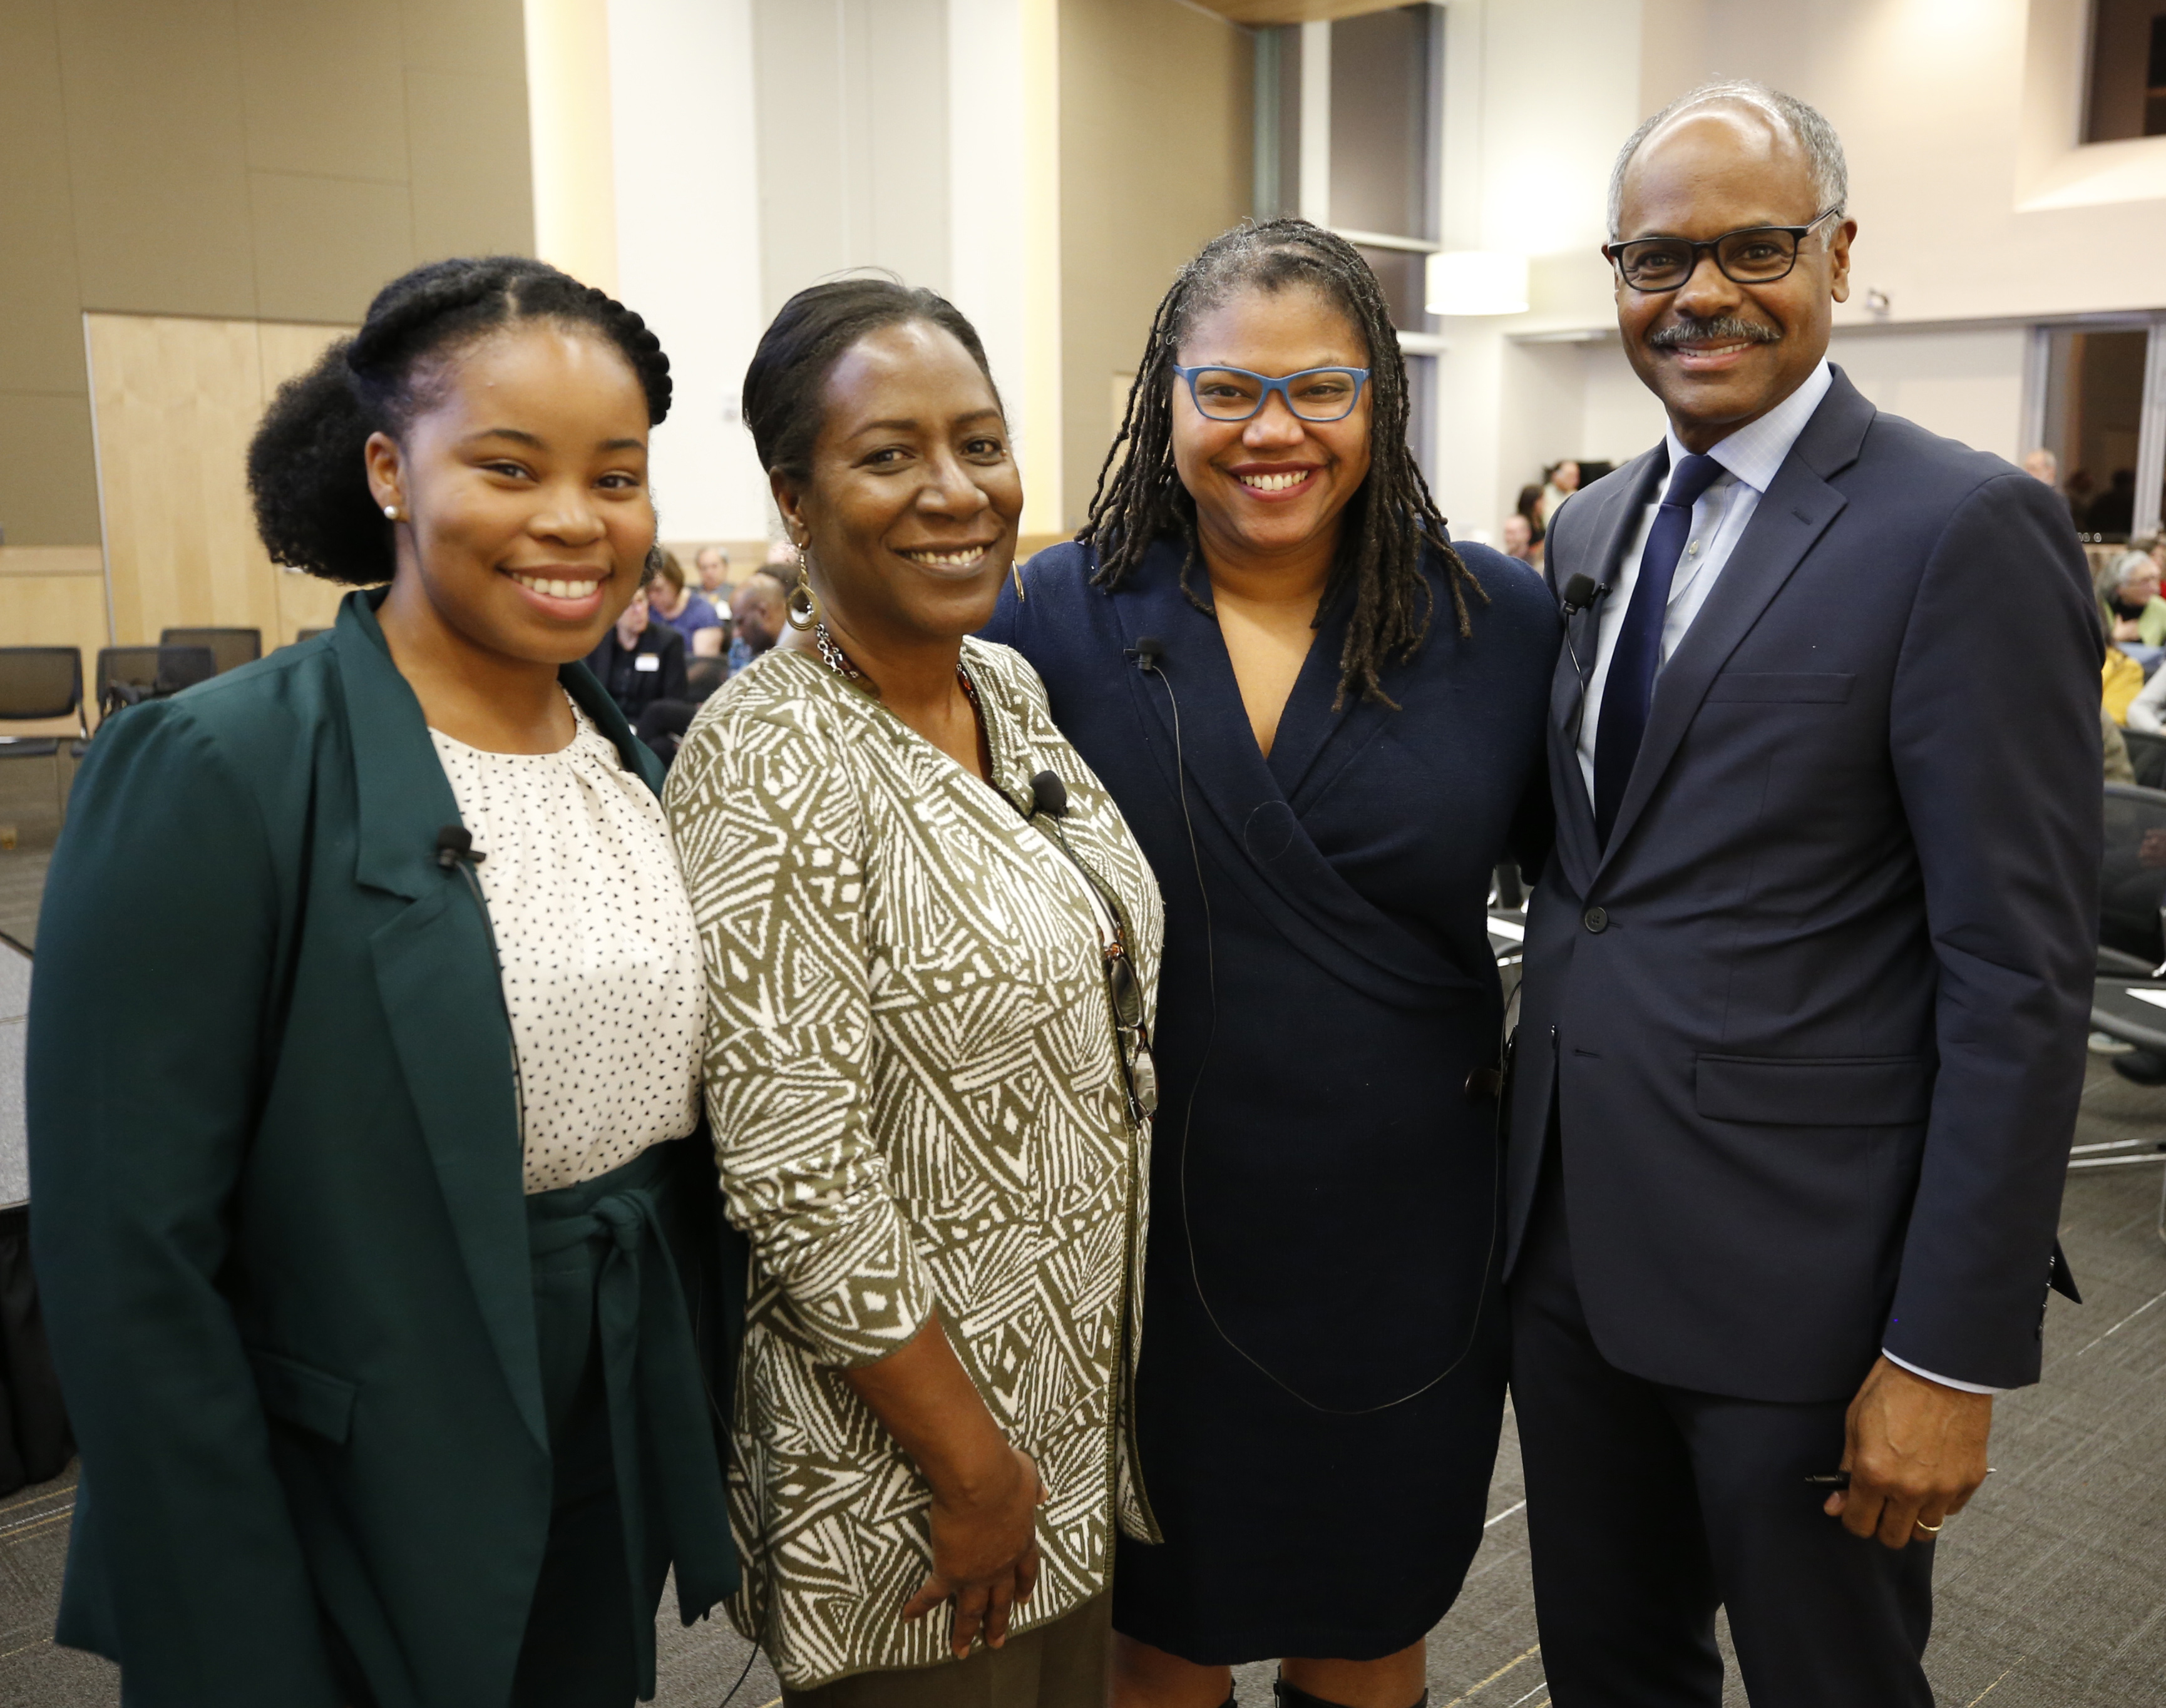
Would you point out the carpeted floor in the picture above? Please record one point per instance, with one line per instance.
(2052, 1588)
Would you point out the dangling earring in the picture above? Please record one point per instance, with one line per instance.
(801, 610)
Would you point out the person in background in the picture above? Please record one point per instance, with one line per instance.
(759, 606)
(1559, 483)
(2118, 767)
(685, 609)
(373, 1215)
(1519, 542)
(932, 947)
(712, 564)
(2134, 611)
(2042, 465)
(1808, 977)
(1355, 702)
(640, 661)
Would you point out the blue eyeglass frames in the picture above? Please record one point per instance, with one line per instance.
(1313, 394)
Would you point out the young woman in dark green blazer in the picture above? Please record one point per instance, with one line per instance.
(380, 1252)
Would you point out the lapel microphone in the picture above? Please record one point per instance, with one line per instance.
(1048, 795)
(1581, 592)
(455, 843)
(1147, 651)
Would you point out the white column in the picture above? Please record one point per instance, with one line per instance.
(687, 241)
(992, 108)
(1316, 124)
(568, 117)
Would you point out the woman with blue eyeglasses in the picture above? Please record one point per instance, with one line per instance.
(1323, 722)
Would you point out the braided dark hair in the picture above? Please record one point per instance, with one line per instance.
(1140, 497)
(307, 472)
(783, 386)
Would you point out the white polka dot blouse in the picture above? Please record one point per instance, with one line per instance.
(600, 952)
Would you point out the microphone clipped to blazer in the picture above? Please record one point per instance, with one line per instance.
(1147, 651)
(1048, 795)
(1581, 592)
(455, 843)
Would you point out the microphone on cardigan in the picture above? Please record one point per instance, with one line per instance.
(455, 843)
(1048, 795)
(1147, 651)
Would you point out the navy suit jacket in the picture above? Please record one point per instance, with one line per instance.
(1813, 1020)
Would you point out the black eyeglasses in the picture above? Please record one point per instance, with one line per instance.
(1752, 255)
(1127, 997)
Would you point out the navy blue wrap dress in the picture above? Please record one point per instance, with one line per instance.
(1323, 1359)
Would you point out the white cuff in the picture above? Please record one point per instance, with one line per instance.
(1945, 1381)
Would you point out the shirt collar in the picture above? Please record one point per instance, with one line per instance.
(1755, 451)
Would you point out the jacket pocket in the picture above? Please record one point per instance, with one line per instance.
(298, 1393)
(1825, 688)
(1838, 1091)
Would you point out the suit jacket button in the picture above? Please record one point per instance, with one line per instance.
(1595, 919)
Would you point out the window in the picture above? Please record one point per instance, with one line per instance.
(1349, 134)
(2128, 70)
(2093, 419)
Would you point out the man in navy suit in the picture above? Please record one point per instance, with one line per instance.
(1807, 975)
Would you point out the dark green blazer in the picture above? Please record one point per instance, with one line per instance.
(280, 1229)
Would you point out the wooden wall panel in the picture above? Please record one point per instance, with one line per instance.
(176, 401)
(53, 596)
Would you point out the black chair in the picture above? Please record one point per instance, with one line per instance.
(231, 648)
(308, 635)
(36, 683)
(127, 676)
(2132, 879)
(2146, 758)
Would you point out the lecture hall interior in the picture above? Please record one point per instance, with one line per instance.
(199, 197)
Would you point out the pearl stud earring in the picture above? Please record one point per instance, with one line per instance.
(391, 514)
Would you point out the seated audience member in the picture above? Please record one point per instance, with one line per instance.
(760, 606)
(2042, 465)
(2146, 711)
(640, 661)
(2122, 681)
(1520, 540)
(712, 564)
(1559, 483)
(684, 608)
(2134, 611)
(2118, 769)
(703, 676)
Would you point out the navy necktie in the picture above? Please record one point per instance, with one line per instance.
(1630, 686)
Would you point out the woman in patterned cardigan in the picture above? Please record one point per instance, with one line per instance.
(932, 945)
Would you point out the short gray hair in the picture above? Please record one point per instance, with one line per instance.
(1808, 129)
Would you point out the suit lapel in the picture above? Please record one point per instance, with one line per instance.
(1611, 529)
(1792, 515)
(443, 1000)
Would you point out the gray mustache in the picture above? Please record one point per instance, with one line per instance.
(1724, 328)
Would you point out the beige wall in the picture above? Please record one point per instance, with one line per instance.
(241, 160)
(1155, 161)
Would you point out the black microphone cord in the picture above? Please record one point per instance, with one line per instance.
(1148, 651)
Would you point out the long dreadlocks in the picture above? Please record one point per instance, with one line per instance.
(1383, 530)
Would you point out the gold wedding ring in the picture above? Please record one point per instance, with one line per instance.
(1930, 1529)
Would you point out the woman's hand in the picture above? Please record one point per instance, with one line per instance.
(984, 1552)
(985, 1493)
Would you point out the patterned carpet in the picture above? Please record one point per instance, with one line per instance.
(2052, 1588)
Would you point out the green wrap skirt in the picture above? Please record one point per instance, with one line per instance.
(634, 1440)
